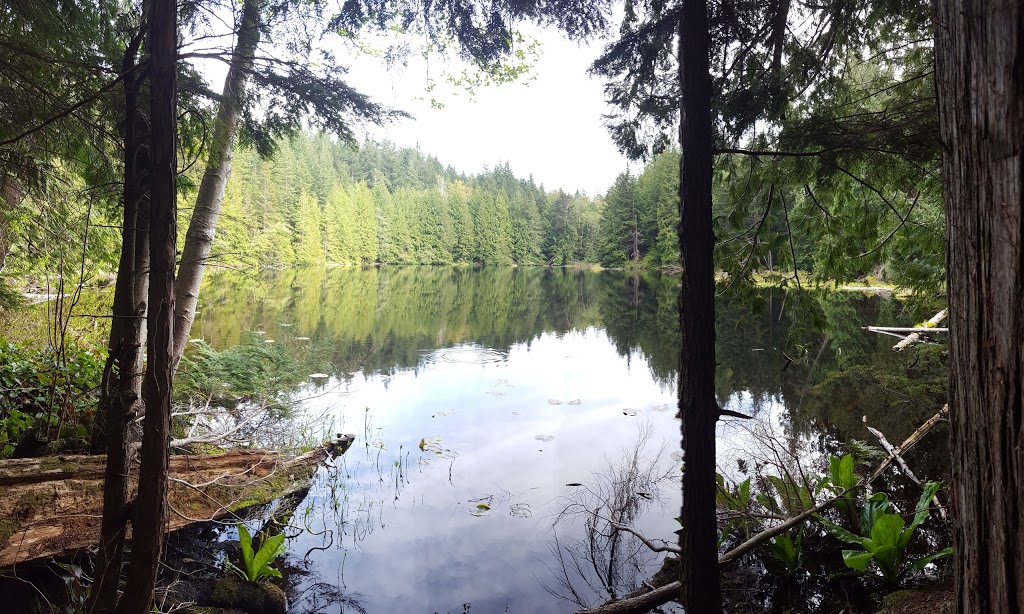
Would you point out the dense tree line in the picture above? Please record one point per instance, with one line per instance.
(320, 201)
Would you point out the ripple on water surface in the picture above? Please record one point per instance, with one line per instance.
(468, 354)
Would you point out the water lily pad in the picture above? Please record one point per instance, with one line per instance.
(544, 437)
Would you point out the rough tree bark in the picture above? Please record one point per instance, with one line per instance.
(118, 392)
(979, 58)
(697, 404)
(149, 514)
(202, 225)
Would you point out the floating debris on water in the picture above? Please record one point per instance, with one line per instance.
(434, 445)
(520, 510)
(481, 507)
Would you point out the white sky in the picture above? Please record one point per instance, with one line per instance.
(549, 126)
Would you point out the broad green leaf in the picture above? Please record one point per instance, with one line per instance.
(841, 472)
(856, 559)
(245, 540)
(269, 550)
(876, 505)
(922, 510)
(744, 490)
(923, 562)
(887, 558)
(887, 531)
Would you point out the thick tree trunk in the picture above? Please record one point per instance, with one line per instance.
(118, 392)
(697, 404)
(203, 224)
(149, 514)
(979, 58)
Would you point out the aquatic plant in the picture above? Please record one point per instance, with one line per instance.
(256, 566)
(889, 536)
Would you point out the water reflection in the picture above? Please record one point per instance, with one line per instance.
(479, 395)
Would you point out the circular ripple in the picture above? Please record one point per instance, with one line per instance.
(467, 355)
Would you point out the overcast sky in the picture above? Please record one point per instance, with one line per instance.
(549, 126)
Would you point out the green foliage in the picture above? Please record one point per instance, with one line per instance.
(887, 539)
(51, 392)
(256, 566)
(254, 371)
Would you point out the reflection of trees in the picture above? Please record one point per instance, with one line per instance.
(388, 318)
(607, 562)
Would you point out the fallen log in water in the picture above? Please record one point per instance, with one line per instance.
(53, 505)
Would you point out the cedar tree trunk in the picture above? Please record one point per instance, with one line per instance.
(149, 508)
(118, 393)
(202, 226)
(979, 59)
(701, 590)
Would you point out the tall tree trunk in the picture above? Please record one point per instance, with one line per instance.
(979, 59)
(202, 226)
(698, 407)
(118, 392)
(149, 509)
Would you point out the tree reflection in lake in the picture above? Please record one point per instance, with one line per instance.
(609, 562)
(491, 389)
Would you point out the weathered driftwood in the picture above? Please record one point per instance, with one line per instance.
(909, 442)
(53, 505)
(915, 337)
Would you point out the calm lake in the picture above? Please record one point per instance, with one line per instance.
(491, 406)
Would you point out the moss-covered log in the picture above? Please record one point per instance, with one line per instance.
(53, 505)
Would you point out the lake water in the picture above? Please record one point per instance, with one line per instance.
(491, 406)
